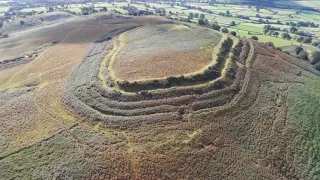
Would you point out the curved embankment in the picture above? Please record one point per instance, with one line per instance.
(92, 91)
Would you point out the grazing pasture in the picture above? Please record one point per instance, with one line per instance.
(37, 9)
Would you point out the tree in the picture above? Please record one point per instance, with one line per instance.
(258, 9)
(255, 38)
(212, 2)
(233, 33)
(298, 49)
(22, 23)
(85, 11)
(276, 33)
(50, 9)
(196, 15)
(1, 24)
(303, 55)
(104, 9)
(163, 12)
(228, 13)
(202, 22)
(270, 44)
(224, 30)
(202, 16)
(315, 57)
(317, 66)
(232, 23)
(293, 29)
(307, 40)
(300, 39)
(190, 15)
(286, 35)
(215, 27)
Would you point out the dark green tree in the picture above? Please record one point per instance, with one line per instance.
(270, 44)
(300, 39)
(224, 30)
(255, 38)
(307, 40)
(196, 15)
(315, 57)
(286, 35)
(190, 15)
(298, 49)
(215, 27)
(303, 55)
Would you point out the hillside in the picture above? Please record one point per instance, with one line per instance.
(97, 105)
(36, 20)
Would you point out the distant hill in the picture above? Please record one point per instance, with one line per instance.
(37, 20)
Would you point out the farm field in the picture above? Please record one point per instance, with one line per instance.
(249, 27)
(113, 96)
(38, 9)
(77, 7)
(304, 3)
(4, 8)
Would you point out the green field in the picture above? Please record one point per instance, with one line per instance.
(75, 9)
(248, 28)
(38, 9)
(117, 6)
(4, 8)
(305, 3)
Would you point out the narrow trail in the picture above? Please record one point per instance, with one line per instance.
(133, 156)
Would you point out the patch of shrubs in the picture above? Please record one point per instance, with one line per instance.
(237, 50)
(241, 51)
(185, 20)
